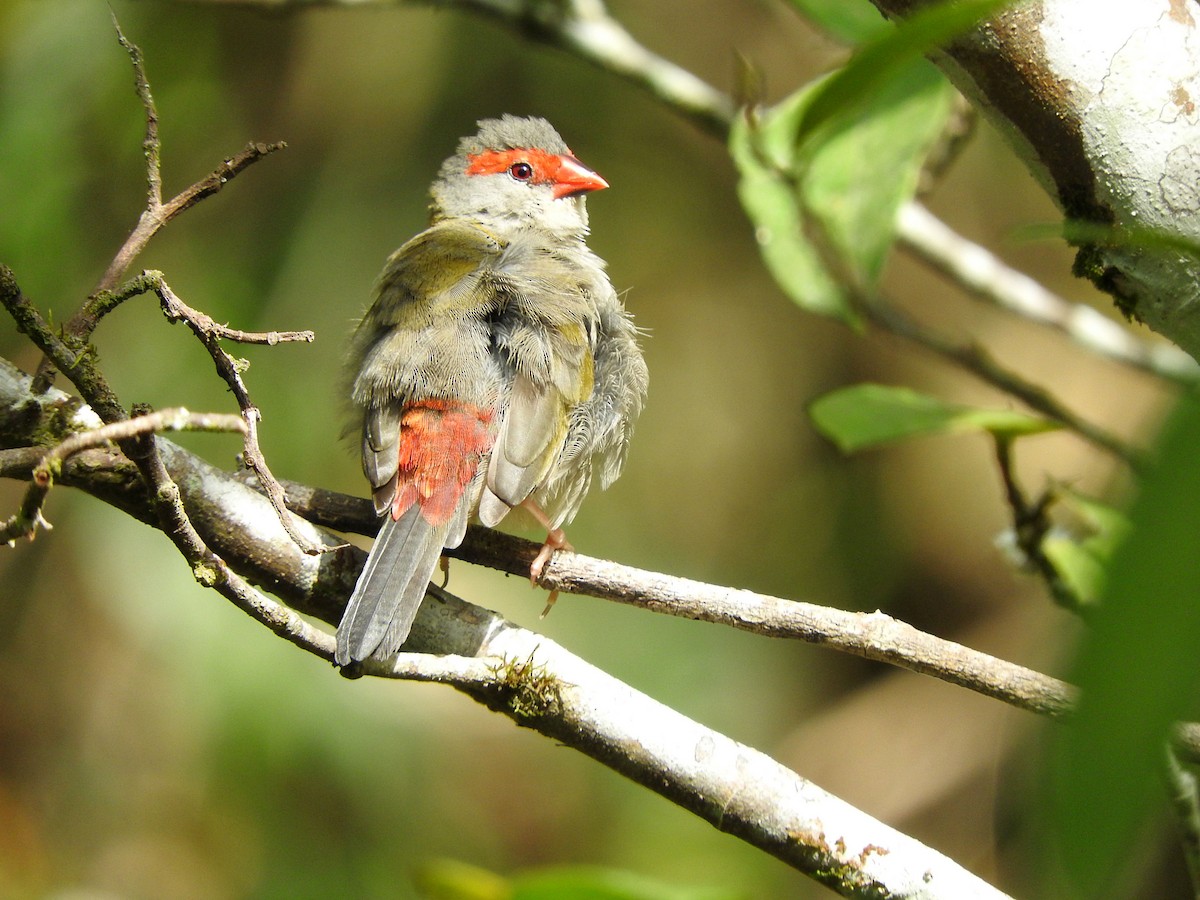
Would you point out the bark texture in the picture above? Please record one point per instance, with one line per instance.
(1100, 100)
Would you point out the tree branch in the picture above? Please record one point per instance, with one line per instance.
(29, 517)
(77, 331)
(987, 277)
(210, 334)
(874, 636)
(973, 358)
(238, 535)
(737, 789)
(221, 525)
(1102, 109)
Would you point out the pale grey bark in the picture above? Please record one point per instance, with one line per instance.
(529, 678)
(1100, 100)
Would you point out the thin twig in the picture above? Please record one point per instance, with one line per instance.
(25, 522)
(988, 278)
(874, 636)
(101, 303)
(972, 358)
(157, 216)
(151, 145)
(175, 419)
(1031, 524)
(209, 569)
(157, 213)
(209, 330)
(210, 334)
(79, 328)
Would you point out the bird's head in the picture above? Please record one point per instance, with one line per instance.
(516, 172)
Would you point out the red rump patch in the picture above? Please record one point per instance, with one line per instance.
(441, 445)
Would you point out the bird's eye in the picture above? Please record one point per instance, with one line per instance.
(522, 171)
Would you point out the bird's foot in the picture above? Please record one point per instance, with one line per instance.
(556, 539)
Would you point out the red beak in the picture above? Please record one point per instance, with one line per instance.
(573, 178)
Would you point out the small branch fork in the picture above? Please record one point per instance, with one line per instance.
(210, 333)
(1031, 523)
(71, 350)
(157, 214)
(27, 520)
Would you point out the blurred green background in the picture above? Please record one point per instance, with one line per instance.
(154, 742)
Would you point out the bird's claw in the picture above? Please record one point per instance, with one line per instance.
(556, 539)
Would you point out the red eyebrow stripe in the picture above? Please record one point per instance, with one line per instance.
(493, 162)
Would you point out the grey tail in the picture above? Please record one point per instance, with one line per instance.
(390, 589)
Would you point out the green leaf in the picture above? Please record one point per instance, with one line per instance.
(1078, 232)
(844, 98)
(449, 879)
(1138, 673)
(1081, 553)
(598, 883)
(843, 200)
(769, 197)
(867, 415)
(861, 177)
(452, 879)
(850, 21)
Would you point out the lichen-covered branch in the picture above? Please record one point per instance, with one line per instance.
(29, 517)
(157, 212)
(221, 526)
(227, 512)
(1101, 104)
(736, 788)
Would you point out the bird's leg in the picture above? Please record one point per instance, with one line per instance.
(556, 539)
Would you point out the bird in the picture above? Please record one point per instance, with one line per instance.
(497, 368)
